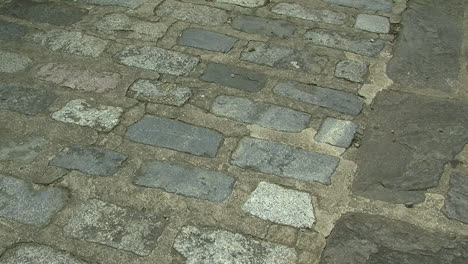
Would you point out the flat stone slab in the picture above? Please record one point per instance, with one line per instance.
(176, 135)
(262, 114)
(216, 247)
(114, 226)
(80, 112)
(376, 5)
(159, 92)
(124, 3)
(457, 198)
(344, 41)
(284, 160)
(12, 62)
(72, 42)
(354, 71)
(23, 148)
(188, 181)
(28, 204)
(234, 77)
(264, 26)
(158, 59)
(208, 40)
(372, 23)
(316, 15)
(336, 132)
(198, 14)
(336, 100)
(39, 254)
(11, 31)
(280, 205)
(25, 100)
(246, 3)
(75, 78)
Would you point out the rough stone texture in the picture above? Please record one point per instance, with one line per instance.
(221, 247)
(359, 238)
(344, 41)
(25, 100)
(11, 62)
(246, 3)
(203, 39)
(264, 26)
(158, 59)
(124, 3)
(280, 205)
(337, 100)
(376, 5)
(354, 71)
(11, 31)
(284, 160)
(176, 135)
(407, 142)
(187, 181)
(456, 203)
(197, 14)
(80, 112)
(284, 57)
(23, 148)
(121, 228)
(234, 77)
(37, 254)
(89, 160)
(298, 11)
(159, 92)
(336, 132)
(372, 23)
(22, 202)
(72, 42)
(75, 78)
(262, 114)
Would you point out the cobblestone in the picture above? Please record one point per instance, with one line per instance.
(376, 5)
(208, 40)
(264, 26)
(336, 132)
(124, 3)
(39, 254)
(22, 148)
(316, 15)
(372, 23)
(352, 71)
(11, 31)
(25, 100)
(234, 77)
(457, 198)
(12, 62)
(246, 3)
(159, 92)
(197, 14)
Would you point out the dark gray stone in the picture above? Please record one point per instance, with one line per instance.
(176, 135)
(407, 142)
(234, 77)
(124, 3)
(12, 62)
(37, 254)
(263, 26)
(25, 100)
(198, 14)
(89, 160)
(10, 31)
(24, 149)
(73, 42)
(159, 92)
(188, 181)
(376, 5)
(456, 203)
(203, 39)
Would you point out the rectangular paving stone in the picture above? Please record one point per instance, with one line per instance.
(234, 77)
(262, 114)
(336, 100)
(284, 160)
(12, 62)
(246, 3)
(457, 197)
(372, 23)
(37, 254)
(316, 15)
(336, 132)
(159, 92)
(176, 135)
(25, 100)
(158, 59)
(198, 14)
(188, 181)
(264, 26)
(28, 204)
(344, 41)
(22, 148)
(203, 39)
(117, 227)
(376, 5)
(11, 31)
(354, 71)
(124, 3)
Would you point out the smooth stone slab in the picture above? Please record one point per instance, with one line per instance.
(114, 226)
(12, 62)
(316, 15)
(246, 3)
(37, 254)
(262, 114)
(354, 71)
(124, 3)
(376, 5)
(280, 205)
(203, 39)
(80, 112)
(72, 42)
(336, 100)
(198, 14)
(25, 100)
(234, 77)
(264, 26)
(28, 204)
(456, 203)
(344, 41)
(176, 135)
(11, 31)
(159, 92)
(23, 148)
(372, 23)
(284, 160)
(220, 247)
(188, 181)
(336, 132)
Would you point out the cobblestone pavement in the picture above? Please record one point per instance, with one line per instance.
(233, 131)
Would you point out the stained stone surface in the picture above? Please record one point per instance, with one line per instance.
(12, 62)
(354, 71)
(317, 15)
(124, 3)
(25, 100)
(264, 26)
(37, 254)
(336, 132)
(159, 92)
(376, 5)
(456, 203)
(234, 77)
(246, 3)
(11, 31)
(208, 40)
(22, 148)
(192, 13)
(372, 23)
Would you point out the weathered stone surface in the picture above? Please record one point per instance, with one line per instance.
(75, 78)
(246, 3)
(262, 114)
(264, 26)
(25, 100)
(124, 3)
(317, 15)
(80, 112)
(37, 254)
(216, 247)
(23, 148)
(372, 23)
(280, 205)
(12, 62)
(376, 5)
(22, 202)
(354, 71)
(284, 160)
(188, 181)
(234, 77)
(336, 132)
(344, 41)
(283, 57)
(456, 203)
(11, 31)
(159, 92)
(118, 227)
(72, 42)
(407, 142)
(197, 14)
(203, 39)
(337, 100)
(176, 135)
(360, 238)
(158, 59)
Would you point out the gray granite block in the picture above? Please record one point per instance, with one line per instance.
(234, 77)
(208, 40)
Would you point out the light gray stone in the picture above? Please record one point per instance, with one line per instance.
(354, 71)
(176, 135)
(158, 59)
(284, 160)
(337, 100)
(12, 62)
(25, 100)
(316, 15)
(376, 5)
(262, 114)
(124, 3)
(280, 205)
(456, 203)
(246, 3)
(118, 227)
(188, 181)
(264, 26)
(234, 77)
(23, 148)
(11, 31)
(159, 92)
(37, 254)
(336, 132)
(198, 14)
(372, 23)
(223, 247)
(203, 39)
